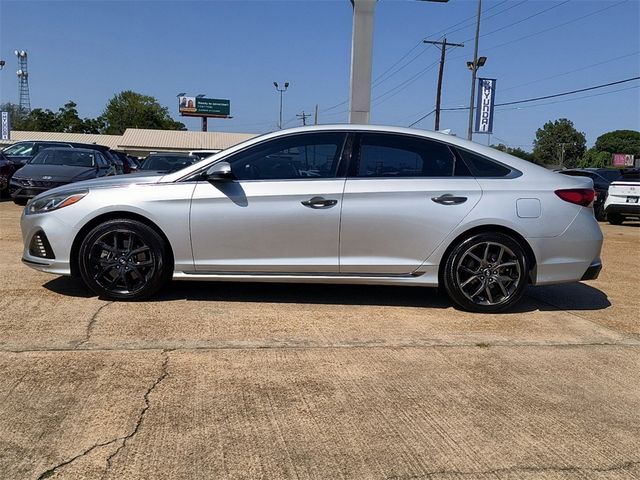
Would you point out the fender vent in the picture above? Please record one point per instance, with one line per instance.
(40, 246)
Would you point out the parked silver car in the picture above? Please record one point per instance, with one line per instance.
(327, 204)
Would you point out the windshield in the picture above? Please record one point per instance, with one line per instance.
(19, 150)
(70, 158)
(168, 163)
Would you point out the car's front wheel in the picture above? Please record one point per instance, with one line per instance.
(486, 272)
(124, 259)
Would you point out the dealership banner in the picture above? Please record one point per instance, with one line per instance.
(485, 104)
(6, 126)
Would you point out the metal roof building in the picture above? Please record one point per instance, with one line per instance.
(141, 142)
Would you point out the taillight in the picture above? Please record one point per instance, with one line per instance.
(580, 196)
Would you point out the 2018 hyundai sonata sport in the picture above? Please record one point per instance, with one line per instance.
(327, 204)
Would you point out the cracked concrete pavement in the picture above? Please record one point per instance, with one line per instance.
(302, 381)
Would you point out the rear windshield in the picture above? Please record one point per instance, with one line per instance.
(69, 158)
(19, 150)
(610, 175)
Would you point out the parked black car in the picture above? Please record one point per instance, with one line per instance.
(22, 152)
(57, 166)
(602, 178)
(7, 169)
(168, 162)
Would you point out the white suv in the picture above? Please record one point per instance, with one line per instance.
(623, 199)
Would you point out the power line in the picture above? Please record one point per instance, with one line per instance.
(545, 97)
(473, 18)
(522, 20)
(570, 99)
(570, 71)
(398, 88)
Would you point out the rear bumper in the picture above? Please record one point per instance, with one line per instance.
(572, 256)
(624, 209)
(593, 271)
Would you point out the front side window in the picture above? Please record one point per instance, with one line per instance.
(306, 156)
(384, 155)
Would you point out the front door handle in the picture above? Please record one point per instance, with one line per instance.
(319, 202)
(448, 199)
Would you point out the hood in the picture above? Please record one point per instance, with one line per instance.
(114, 181)
(55, 173)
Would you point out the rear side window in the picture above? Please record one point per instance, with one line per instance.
(383, 155)
(482, 166)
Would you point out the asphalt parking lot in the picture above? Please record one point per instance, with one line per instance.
(306, 381)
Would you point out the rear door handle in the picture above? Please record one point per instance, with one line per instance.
(319, 202)
(449, 199)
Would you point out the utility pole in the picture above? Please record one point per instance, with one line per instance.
(443, 48)
(473, 73)
(315, 116)
(562, 151)
(303, 116)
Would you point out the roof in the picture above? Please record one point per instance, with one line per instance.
(110, 141)
(141, 139)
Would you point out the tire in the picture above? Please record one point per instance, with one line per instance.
(486, 273)
(124, 259)
(614, 219)
(20, 201)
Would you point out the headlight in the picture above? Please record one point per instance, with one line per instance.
(54, 201)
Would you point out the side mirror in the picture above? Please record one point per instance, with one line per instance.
(219, 172)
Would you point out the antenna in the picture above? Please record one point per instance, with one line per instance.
(23, 81)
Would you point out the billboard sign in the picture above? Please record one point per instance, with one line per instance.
(623, 160)
(6, 126)
(485, 104)
(203, 107)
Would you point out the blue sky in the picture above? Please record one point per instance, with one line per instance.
(89, 50)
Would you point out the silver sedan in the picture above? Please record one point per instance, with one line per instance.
(327, 204)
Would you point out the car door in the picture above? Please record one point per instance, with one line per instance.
(403, 196)
(280, 214)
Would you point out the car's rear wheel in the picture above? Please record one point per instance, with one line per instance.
(615, 218)
(486, 272)
(124, 260)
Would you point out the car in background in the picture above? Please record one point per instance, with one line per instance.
(204, 153)
(7, 169)
(343, 204)
(623, 202)
(130, 165)
(22, 152)
(54, 167)
(602, 178)
(167, 162)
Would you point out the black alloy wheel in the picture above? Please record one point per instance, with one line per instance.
(486, 273)
(124, 260)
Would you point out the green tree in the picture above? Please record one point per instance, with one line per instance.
(559, 142)
(129, 109)
(595, 158)
(516, 152)
(39, 120)
(619, 141)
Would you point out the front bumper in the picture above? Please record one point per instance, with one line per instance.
(59, 236)
(18, 190)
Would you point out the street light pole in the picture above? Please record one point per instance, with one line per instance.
(473, 73)
(281, 90)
